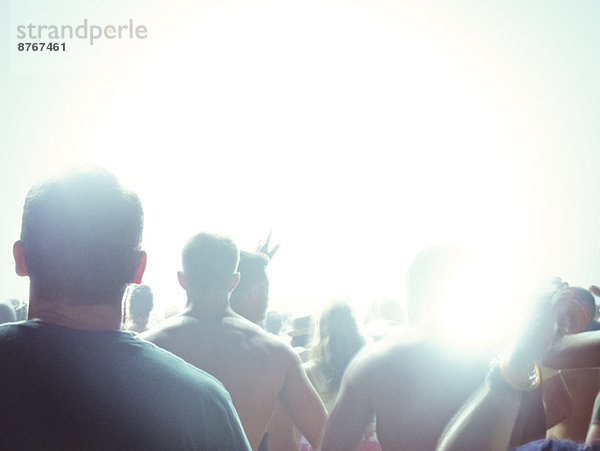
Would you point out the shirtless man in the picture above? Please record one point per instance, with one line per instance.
(412, 383)
(256, 368)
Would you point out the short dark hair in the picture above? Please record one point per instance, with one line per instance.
(209, 261)
(81, 236)
(273, 322)
(586, 299)
(141, 301)
(7, 313)
(252, 270)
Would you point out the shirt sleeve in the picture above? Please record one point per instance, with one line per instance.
(216, 425)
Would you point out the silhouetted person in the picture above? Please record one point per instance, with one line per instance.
(139, 306)
(337, 341)
(487, 420)
(70, 378)
(19, 307)
(273, 322)
(7, 313)
(413, 383)
(569, 395)
(251, 295)
(257, 368)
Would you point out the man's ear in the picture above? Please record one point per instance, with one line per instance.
(20, 265)
(139, 272)
(235, 278)
(181, 279)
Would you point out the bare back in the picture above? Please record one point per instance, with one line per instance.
(411, 385)
(256, 368)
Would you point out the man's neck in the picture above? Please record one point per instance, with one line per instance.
(247, 312)
(207, 308)
(77, 316)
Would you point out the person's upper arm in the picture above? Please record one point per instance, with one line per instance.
(302, 403)
(558, 404)
(350, 416)
(575, 351)
(281, 431)
(593, 433)
(311, 370)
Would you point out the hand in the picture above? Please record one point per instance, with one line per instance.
(564, 305)
(263, 247)
(543, 328)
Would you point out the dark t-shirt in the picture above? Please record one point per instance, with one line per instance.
(63, 388)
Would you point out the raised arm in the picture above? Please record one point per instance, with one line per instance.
(301, 402)
(487, 421)
(263, 247)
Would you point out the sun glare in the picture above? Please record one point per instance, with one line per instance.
(359, 134)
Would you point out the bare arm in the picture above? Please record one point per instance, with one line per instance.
(349, 418)
(281, 432)
(485, 422)
(488, 419)
(557, 400)
(263, 247)
(593, 433)
(575, 351)
(300, 401)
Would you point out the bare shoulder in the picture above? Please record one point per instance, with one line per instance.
(386, 360)
(259, 340)
(170, 330)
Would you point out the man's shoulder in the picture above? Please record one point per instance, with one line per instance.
(15, 332)
(250, 330)
(163, 376)
(390, 355)
(172, 366)
(9, 331)
(166, 327)
(149, 388)
(260, 341)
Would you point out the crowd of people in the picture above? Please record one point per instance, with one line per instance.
(84, 365)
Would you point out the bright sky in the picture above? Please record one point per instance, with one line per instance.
(359, 131)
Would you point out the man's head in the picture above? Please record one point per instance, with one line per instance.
(578, 312)
(209, 266)
(428, 277)
(251, 296)
(273, 322)
(7, 313)
(141, 302)
(80, 238)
